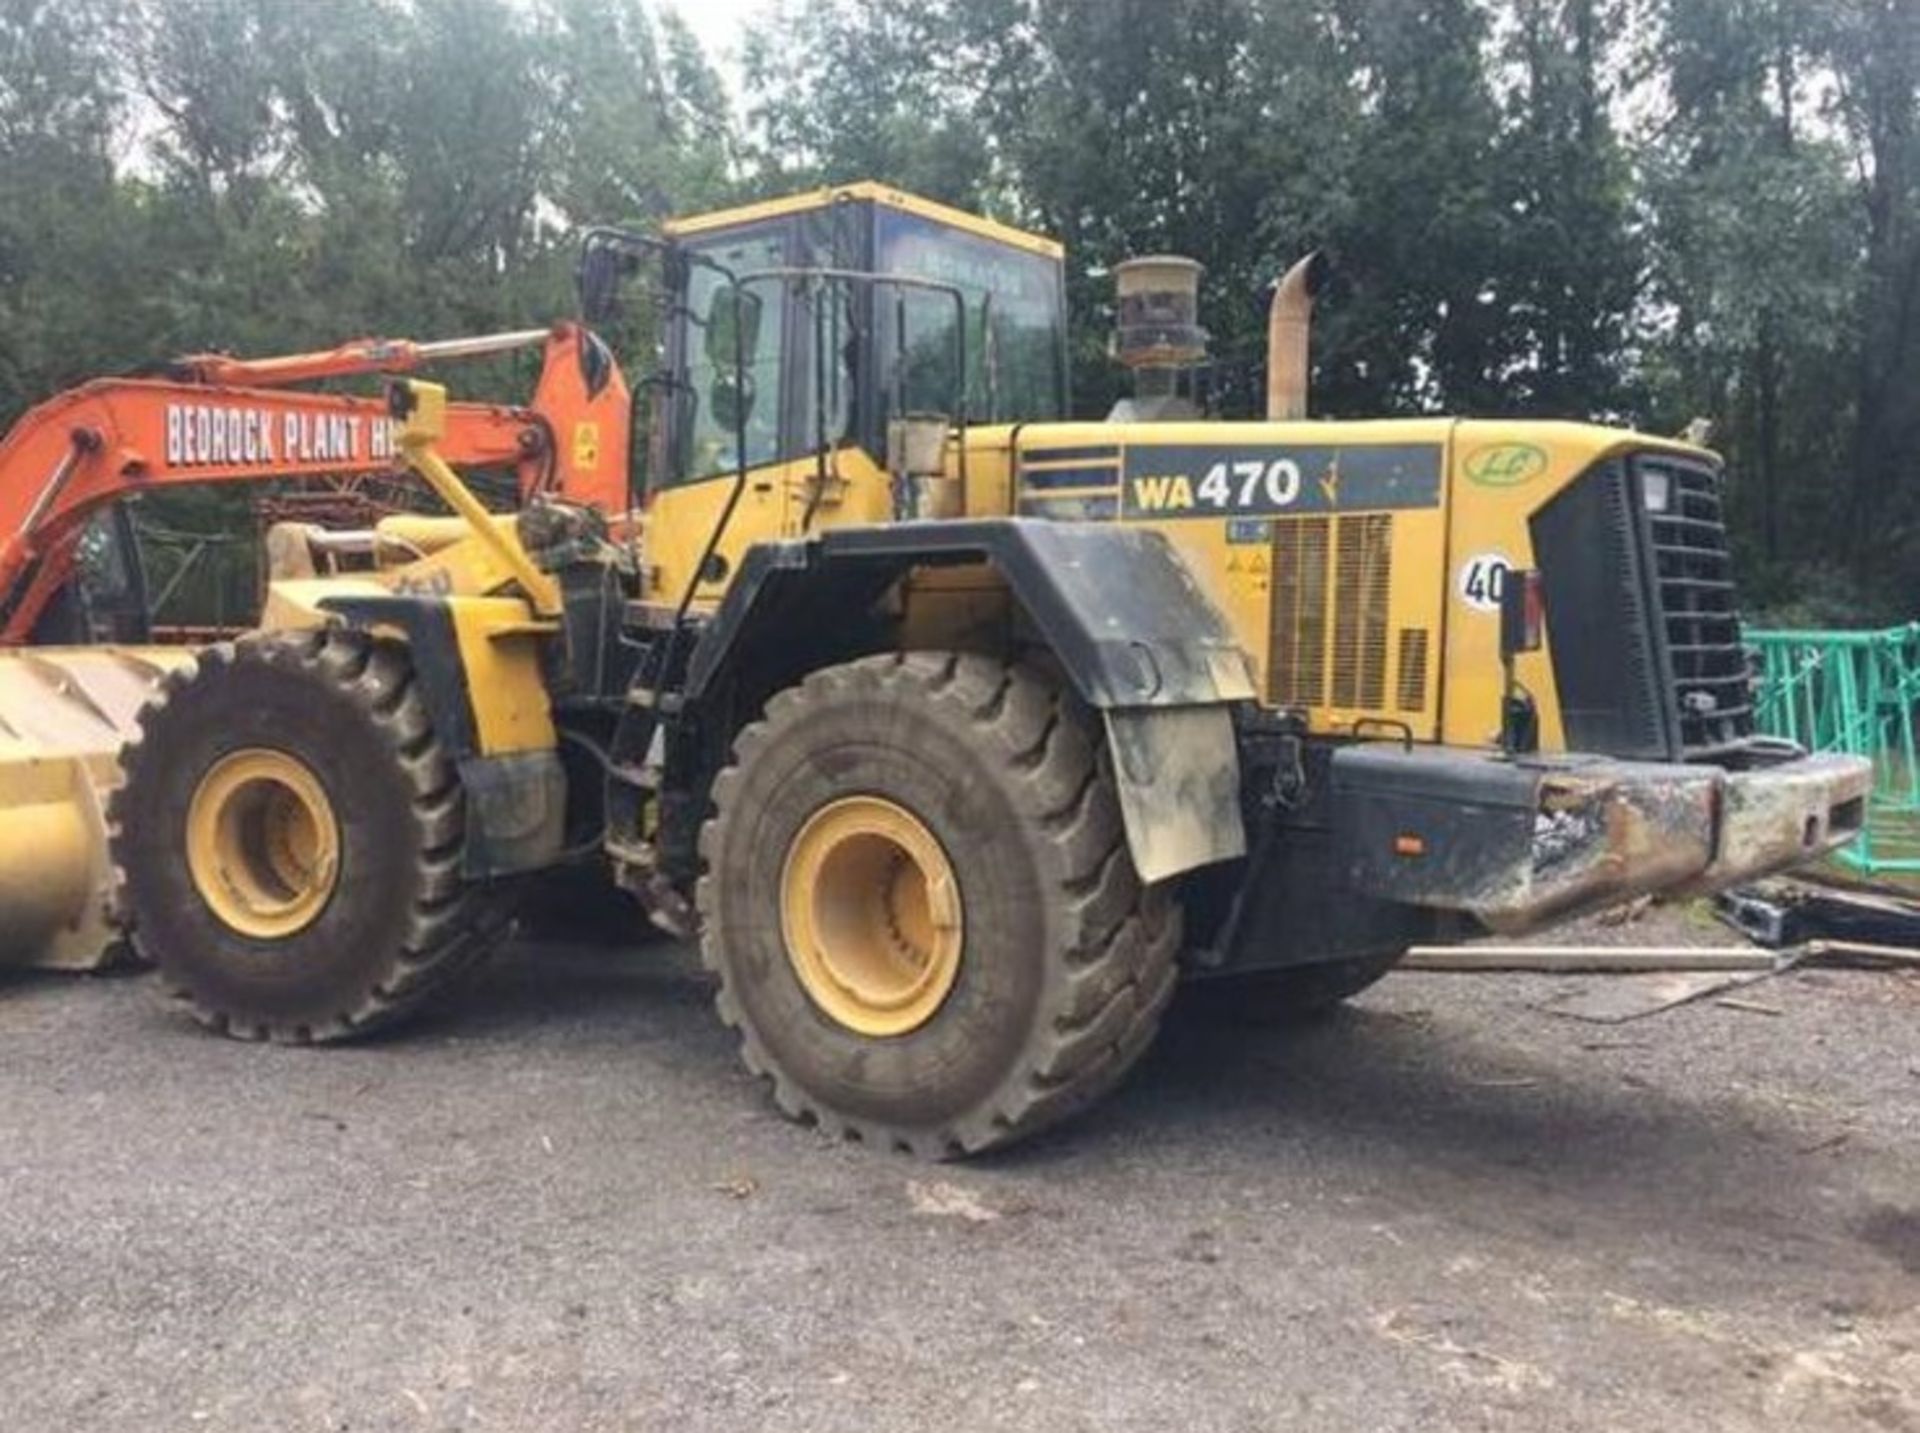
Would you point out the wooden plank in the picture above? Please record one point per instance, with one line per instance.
(1588, 959)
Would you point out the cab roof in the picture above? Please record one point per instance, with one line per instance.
(875, 192)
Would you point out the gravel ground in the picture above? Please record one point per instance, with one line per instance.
(559, 1204)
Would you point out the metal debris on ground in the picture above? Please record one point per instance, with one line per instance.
(1792, 913)
(1752, 1007)
(941, 1200)
(1632, 997)
(1862, 956)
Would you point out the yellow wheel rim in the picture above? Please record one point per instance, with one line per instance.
(870, 911)
(263, 846)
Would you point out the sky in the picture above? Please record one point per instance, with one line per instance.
(718, 25)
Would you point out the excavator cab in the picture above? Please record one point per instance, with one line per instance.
(108, 598)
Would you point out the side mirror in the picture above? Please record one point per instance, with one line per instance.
(604, 269)
(1523, 612)
(1523, 620)
(733, 318)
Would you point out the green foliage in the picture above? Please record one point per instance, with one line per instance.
(1645, 210)
(257, 177)
(1640, 210)
(1480, 220)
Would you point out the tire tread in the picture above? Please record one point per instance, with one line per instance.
(451, 926)
(1116, 940)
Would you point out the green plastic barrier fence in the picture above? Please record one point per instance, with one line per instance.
(1856, 692)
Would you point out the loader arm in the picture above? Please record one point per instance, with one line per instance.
(215, 419)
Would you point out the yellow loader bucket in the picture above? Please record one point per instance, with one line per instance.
(64, 712)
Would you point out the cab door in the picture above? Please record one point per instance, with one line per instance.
(695, 462)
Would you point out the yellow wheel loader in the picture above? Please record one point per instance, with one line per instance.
(959, 731)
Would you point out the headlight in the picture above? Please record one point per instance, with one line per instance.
(1656, 488)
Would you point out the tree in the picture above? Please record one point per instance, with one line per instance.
(1572, 250)
(291, 176)
(1756, 247)
(1418, 319)
(1874, 49)
(857, 89)
(1480, 246)
(1647, 209)
(74, 280)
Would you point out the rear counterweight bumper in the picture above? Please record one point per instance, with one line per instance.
(1516, 842)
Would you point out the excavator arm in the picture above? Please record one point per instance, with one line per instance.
(216, 419)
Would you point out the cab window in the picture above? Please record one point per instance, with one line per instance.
(708, 390)
(1027, 317)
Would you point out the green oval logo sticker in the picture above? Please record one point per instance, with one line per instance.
(1505, 465)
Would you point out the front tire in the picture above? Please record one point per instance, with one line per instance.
(921, 907)
(288, 838)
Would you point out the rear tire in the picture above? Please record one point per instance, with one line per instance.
(288, 839)
(1020, 967)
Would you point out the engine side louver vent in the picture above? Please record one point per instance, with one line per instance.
(1412, 696)
(1330, 596)
(1298, 670)
(1365, 545)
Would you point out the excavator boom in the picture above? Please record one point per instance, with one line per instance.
(225, 420)
(363, 355)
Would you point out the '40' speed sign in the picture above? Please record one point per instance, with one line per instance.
(1482, 578)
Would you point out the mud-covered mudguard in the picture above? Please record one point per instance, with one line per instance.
(515, 799)
(1116, 606)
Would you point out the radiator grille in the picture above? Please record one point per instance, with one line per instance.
(1330, 598)
(1600, 618)
(1711, 687)
(1647, 657)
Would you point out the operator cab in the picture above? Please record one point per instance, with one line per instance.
(807, 323)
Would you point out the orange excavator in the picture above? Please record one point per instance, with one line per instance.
(211, 418)
(71, 462)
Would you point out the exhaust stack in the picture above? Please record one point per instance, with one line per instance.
(1289, 319)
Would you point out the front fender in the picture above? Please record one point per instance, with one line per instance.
(1116, 607)
(477, 667)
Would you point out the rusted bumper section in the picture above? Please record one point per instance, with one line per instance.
(1782, 816)
(1515, 843)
